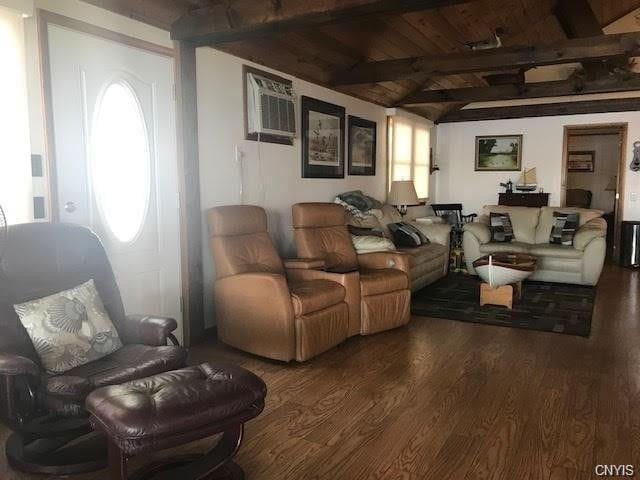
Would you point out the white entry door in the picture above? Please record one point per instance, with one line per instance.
(116, 167)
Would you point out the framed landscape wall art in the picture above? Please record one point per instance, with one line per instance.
(362, 146)
(322, 139)
(498, 153)
(583, 161)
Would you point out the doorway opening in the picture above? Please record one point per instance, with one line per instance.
(593, 174)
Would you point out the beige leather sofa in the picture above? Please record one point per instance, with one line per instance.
(427, 263)
(580, 264)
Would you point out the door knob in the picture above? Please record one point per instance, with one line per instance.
(69, 207)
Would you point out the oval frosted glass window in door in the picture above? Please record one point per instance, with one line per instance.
(120, 161)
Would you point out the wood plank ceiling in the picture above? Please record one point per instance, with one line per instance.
(317, 54)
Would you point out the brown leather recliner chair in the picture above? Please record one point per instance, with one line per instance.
(46, 411)
(377, 284)
(256, 309)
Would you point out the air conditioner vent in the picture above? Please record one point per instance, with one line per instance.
(270, 107)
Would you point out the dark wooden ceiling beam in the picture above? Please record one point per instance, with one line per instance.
(207, 29)
(561, 88)
(577, 19)
(543, 110)
(574, 50)
(159, 13)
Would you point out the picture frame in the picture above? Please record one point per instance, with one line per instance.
(362, 135)
(323, 139)
(581, 161)
(498, 153)
(265, 137)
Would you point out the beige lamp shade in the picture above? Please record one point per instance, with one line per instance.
(403, 192)
(612, 186)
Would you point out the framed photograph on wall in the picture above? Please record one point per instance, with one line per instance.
(583, 161)
(322, 139)
(362, 146)
(498, 153)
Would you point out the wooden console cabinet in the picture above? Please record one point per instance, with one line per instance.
(523, 199)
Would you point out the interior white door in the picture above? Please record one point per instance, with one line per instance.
(116, 167)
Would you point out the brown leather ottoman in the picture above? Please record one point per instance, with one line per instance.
(172, 409)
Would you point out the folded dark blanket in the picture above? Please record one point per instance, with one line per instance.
(362, 202)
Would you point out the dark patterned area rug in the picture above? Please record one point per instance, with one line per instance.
(551, 307)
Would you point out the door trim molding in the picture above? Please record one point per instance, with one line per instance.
(192, 293)
(621, 130)
(53, 18)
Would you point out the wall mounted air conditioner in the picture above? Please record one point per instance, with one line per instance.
(270, 107)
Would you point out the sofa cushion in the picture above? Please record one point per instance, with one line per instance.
(366, 221)
(596, 228)
(501, 229)
(70, 328)
(545, 224)
(313, 295)
(128, 363)
(425, 253)
(495, 247)
(479, 230)
(365, 232)
(564, 228)
(554, 250)
(436, 232)
(523, 219)
(407, 235)
(368, 244)
(390, 214)
(376, 282)
(386, 215)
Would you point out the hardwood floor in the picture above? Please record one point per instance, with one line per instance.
(441, 399)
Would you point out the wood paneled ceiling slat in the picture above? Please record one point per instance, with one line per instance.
(318, 53)
(608, 11)
(265, 19)
(428, 24)
(159, 13)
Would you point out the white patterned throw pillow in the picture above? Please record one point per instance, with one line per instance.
(70, 328)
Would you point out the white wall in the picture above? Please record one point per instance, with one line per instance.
(542, 148)
(272, 172)
(605, 167)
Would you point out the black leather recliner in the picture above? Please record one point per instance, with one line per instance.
(46, 412)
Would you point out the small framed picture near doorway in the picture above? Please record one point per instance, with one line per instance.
(322, 139)
(362, 146)
(581, 161)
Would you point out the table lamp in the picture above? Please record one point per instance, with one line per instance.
(612, 186)
(403, 194)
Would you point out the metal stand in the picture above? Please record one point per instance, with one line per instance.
(216, 464)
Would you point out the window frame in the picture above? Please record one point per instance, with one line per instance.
(414, 124)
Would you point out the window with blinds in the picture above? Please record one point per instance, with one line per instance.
(409, 143)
